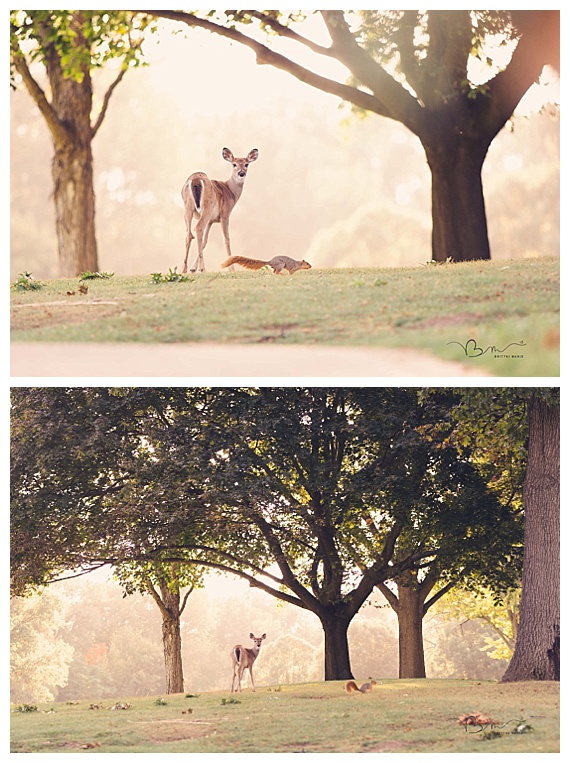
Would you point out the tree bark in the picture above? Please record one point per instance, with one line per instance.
(459, 231)
(410, 605)
(72, 167)
(337, 658)
(74, 199)
(410, 632)
(537, 650)
(171, 639)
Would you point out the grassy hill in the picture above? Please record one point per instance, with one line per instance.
(502, 316)
(398, 716)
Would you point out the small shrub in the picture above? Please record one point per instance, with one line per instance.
(171, 277)
(26, 282)
(88, 275)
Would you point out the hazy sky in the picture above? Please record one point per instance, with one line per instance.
(196, 66)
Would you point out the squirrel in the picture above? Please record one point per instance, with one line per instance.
(278, 264)
(351, 686)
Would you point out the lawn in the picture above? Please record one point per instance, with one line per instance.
(401, 716)
(502, 316)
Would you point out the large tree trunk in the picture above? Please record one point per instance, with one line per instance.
(537, 650)
(74, 199)
(171, 639)
(459, 218)
(410, 632)
(410, 606)
(337, 658)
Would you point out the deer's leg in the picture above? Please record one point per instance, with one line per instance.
(251, 676)
(207, 233)
(237, 679)
(225, 222)
(202, 230)
(188, 216)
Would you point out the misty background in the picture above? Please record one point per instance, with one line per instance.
(330, 187)
(83, 639)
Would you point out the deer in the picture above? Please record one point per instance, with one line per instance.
(243, 658)
(212, 201)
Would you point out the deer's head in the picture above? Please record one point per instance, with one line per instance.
(240, 165)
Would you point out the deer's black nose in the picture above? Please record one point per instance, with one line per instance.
(241, 173)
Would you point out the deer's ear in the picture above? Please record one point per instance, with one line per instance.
(251, 635)
(264, 635)
(253, 154)
(227, 154)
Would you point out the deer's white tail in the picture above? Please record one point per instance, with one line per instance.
(197, 189)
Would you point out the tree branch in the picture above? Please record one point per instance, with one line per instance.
(253, 582)
(153, 592)
(58, 131)
(285, 31)
(185, 600)
(265, 55)
(538, 45)
(106, 100)
(396, 102)
(389, 595)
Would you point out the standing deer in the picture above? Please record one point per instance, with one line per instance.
(212, 201)
(243, 658)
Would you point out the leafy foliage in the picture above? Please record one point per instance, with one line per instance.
(82, 40)
(326, 484)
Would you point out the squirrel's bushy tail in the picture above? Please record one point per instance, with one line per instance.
(245, 262)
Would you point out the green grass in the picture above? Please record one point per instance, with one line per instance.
(511, 304)
(399, 716)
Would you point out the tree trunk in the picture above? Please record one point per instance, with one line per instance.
(74, 198)
(410, 632)
(537, 649)
(171, 640)
(337, 658)
(69, 120)
(459, 230)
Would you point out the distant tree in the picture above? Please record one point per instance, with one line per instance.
(70, 45)
(165, 584)
(456, 649)
(40, 656)
(116, 641)
(501, 613)
(414, 67)
(288, 659)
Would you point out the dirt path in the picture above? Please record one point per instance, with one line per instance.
(39, 359)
